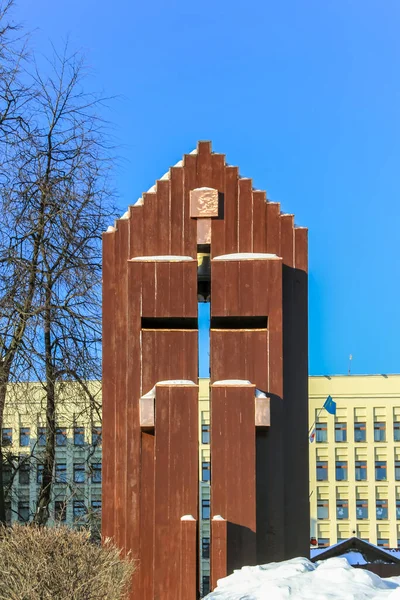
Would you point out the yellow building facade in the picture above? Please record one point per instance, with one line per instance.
(355, 459)
(76, 490)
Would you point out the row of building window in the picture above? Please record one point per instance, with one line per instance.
(341, 471)
(59, 511)
(342, 509)
(24, 472)
(360, 432)
(60, 434)
(381, 542)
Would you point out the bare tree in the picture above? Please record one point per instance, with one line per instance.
(56, 201)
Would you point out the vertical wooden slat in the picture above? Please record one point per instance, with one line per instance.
(204, 165)
(219, 550)
(121, 307)
(136, 231)
(259, 221)
(233, 485)
(150, 226)
(230, 212)
(301, 248)
(108, 383)
(189, 224)
(287, 239)
(147, 494)
(163, 217)
(177, 211)
(188, 563)
(273, 228)
(245, 220)
(218, 225)
(176, 481)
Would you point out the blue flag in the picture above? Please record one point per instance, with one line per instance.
(330, 406)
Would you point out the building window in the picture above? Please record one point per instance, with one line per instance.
(61, 473)
(341, 470)
(379, 432)
(382, 542)
(96, 472)
(39, 474)
(60, 510)
(323, 542)
(380, 470)
(362, 509)
(396, 431)
(79, 509)
(322, 509)
(205, 509)
(7, 507)
(321, 432)
(41, 436)
(205, 471)
(205, 547)
(7, 470)
(322, 470)
(23, 511)
(23, 472)
(340, 432)
(79, 473)
(361, 470)
(397, 470)
(61, 436)
(79, 436)
(398, 510)
(6, 436)
(96, 508)
(360, 432)
(24, 436)
(96, 436)
(381, 509)
(205, 434)
(342, 509)
(206, 585)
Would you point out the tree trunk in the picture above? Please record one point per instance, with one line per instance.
(42, 511)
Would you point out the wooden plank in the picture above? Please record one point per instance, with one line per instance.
(177, 211)
(219, 543)
(259, 221)
(301, 248)
(188, 561)
(233, 484)
(146, 564)
(287, 239)
(245, 220)
(121, 342)
(108, 384)
(163, 217)
(231, 212)
(273, 228)
(204, 165)
(150, 228)
(176, 481)
(136, 231)
(190, 227)
(218, 225)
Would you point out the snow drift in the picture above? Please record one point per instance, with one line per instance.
(300, 579)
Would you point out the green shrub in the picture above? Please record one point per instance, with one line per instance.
(60, 564)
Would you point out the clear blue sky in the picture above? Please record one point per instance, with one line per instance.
(303, 95)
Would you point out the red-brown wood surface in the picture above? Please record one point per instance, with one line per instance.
(233, 484)
(218, 556)
(188, 561)
(108, 385)
(145, 573)
(121, 342)
(240, 354)
(301, 248)
(287, 240)
(176, 480)
(168, 355)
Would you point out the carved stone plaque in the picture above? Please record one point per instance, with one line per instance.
(204, 202)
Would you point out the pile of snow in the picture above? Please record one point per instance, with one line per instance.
(300, 579)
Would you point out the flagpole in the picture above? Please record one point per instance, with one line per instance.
(313, 425)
